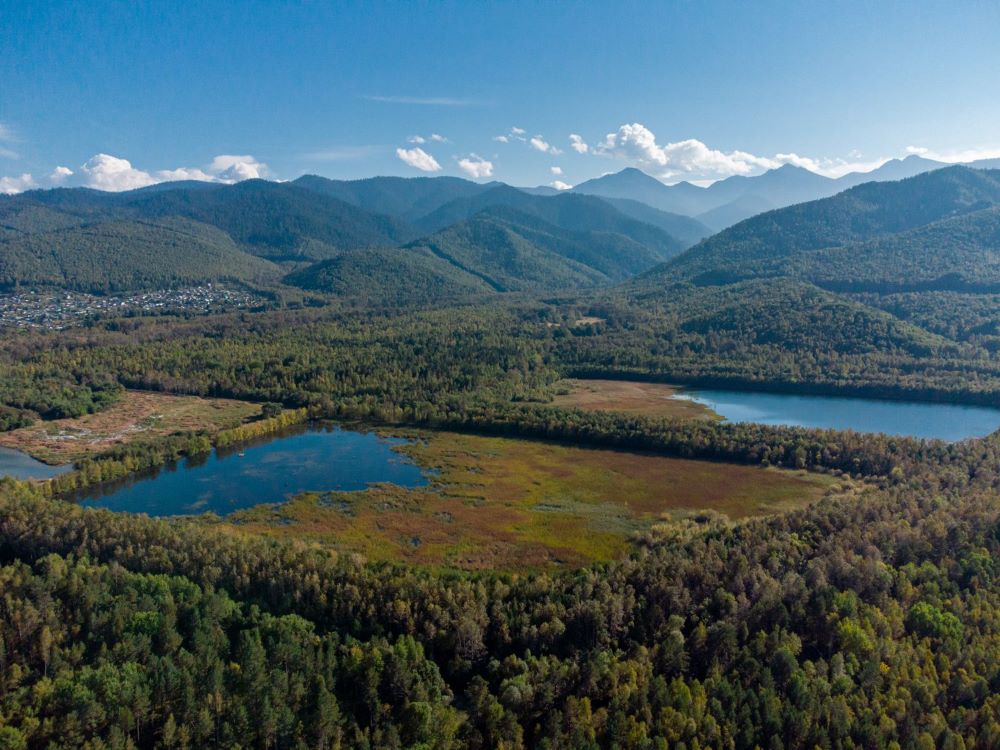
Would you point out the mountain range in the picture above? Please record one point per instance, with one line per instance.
(733, 199)
(938, 230)
(425, 239)
(479, 237)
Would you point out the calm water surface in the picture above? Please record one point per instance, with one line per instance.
(314, 458)
(22, 466)
(923, 420)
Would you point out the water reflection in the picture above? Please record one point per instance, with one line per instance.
(318, 457)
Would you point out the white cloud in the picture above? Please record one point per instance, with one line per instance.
(13, 185)
(515, 134)
(418, 159)
(688, 158)
(539, 144)
(60, 175)
(231, 168)
(476, 166)
(183, 173)
(557, 171)
(577, 144)
(960, 156)
(106, 172)
(419, 139)
(696, 162)
(560, 185)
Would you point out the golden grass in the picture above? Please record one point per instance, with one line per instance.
(513, 504)
(138, 414)
(648, 399)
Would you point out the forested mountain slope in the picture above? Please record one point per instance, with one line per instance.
(272, 220)
(514, 251)
(579, 213)
(407, 198)
(113, 256)
(275, 220)
(686, 229)
(772, 244)
(390, 276)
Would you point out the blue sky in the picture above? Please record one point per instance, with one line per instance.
(685, 90)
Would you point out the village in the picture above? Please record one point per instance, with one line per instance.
(55, 310)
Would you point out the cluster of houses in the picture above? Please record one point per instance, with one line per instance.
(58, 309)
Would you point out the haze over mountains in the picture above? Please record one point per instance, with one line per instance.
(733, 199)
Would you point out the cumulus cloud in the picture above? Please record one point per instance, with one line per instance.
(540, 144)
(502, 138)
(184, 173)
(476, 166)
(13, 185)
(439, 138)
(232, 168)
(106, 172)
(577, 143)
(693, 160)
(418, 139)
(560, 185)
(517, 131)
(114, 174)
(557, 171)
(60, 175)
(418, 159)
(688, 158)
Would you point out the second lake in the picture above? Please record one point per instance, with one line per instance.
(922, 420)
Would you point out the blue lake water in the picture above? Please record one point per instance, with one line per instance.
(22, 466)
(923, 420)
(314, 458)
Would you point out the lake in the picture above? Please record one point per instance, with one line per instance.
(22, 466)
(923, 420)
(308, 458)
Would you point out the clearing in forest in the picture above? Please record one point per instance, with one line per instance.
(138, 414)
(630, 397)
(511, 504)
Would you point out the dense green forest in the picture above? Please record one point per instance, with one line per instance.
(853, 623)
